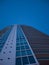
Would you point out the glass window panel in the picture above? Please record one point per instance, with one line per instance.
(31, 59)
(22, 37)
(29, 52)
(17, 48)
(21, 40)
(17, 44)
(26, 46)
(25, 42)
(23, 53)
(18, 61)
(25, 60)
(21, 43)
(1, 46)
(22, 48)
(17, 39)
(18, 53)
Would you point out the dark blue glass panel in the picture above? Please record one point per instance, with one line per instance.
(18, 53)
(25, 43)
(17, 44)
(25, 60)
(18, 61)
(17, 40)
(1, 46)
(17, 48)
(21, 43)
(22, 48)
(26, 46)
(22, 37)
(23, 53)
(29, 52)
(31, 59)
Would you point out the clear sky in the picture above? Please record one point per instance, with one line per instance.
(34, 13)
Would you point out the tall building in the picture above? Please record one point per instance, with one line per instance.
(23, 45)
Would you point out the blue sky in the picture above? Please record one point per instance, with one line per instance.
(34, 13)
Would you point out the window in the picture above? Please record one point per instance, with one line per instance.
(31, 59)
(17, 48)
(22, 48)
(26, 46)
(18, 61)
(21, 43)
(29, 52)
(23, 53)
(25, 60)
(17, 44)
(18, 53)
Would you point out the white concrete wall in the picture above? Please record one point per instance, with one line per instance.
(8, 53)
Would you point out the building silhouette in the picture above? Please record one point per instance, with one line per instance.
(23, 45)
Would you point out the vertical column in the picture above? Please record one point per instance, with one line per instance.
(7, 56)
